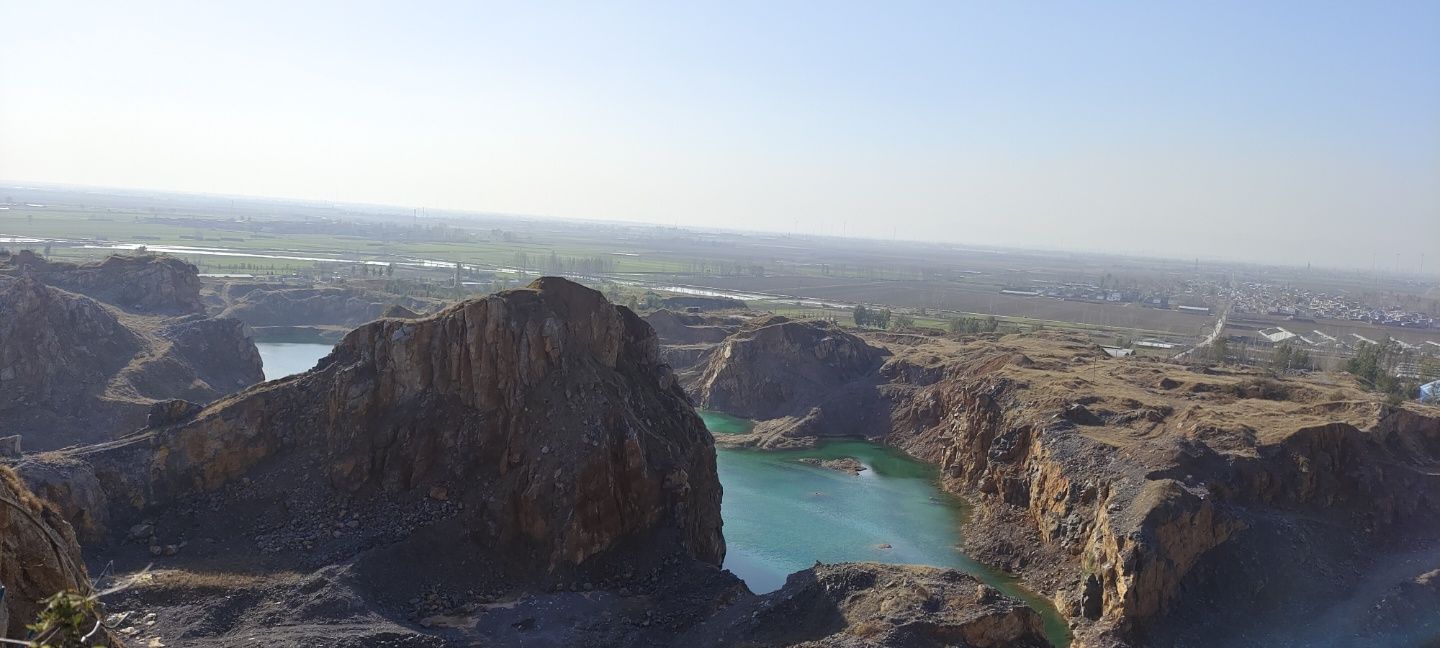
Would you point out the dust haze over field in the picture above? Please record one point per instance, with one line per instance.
(1287, 133)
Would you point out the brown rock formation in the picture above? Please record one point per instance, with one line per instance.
(399, 312)
(262, 305)
(1138, 494)
(1084, 469)
(848, 465)
(686, 339)
(75, 370)
(520, 468)
(150, 284)
(680, 329)
(544, 411)
(865, 604)
(38, 555)
(800, 378)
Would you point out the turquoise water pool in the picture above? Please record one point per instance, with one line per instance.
(782, 516)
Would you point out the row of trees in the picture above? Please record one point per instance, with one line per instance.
(371, 270)
(556, 264)
(974, 324)
(1287, 357)
(874, 317)
(1376, 365)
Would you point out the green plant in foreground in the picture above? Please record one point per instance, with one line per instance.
(67, 621)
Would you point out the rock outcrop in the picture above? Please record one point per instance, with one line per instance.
(1135, 491)
(800, 378)
(283, 306)
(848, 465)
(865, 604)
(1143, 497)
(679, 328)
(515, 469)
(38, 556)
(686, 339)
(76, 370)
(143, 283)
(544, 412)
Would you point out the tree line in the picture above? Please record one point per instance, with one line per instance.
(873, 317)
(974, 324)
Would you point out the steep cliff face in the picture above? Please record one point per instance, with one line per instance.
(544, 411)
(149, 284)
(55, 347)
(75, 370)
(1133, 492)
(1144, 498)
(686, 339)
(515, 469)
(38, 556)
(681, 329)
(801, 379)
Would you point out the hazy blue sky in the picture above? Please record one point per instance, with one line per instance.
(1294, 131)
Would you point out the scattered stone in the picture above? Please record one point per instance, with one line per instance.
(141, 532)
(844, 464)
(170, 412)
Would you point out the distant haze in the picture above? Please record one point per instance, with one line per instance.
(1276, 131)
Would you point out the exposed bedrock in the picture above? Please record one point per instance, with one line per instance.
(271, 305)
(75, 370)
(799, 378)
(38, 556)
(519, 468)
(143, 283)
(544, 411)
(865, 604)
(1146, 499)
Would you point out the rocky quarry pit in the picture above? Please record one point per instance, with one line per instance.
(1157, 505)
(526, 469)
(519, 469)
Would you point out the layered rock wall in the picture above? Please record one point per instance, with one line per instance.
(545, 411)
(38, 555)
(76, 370)
(141, 283)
